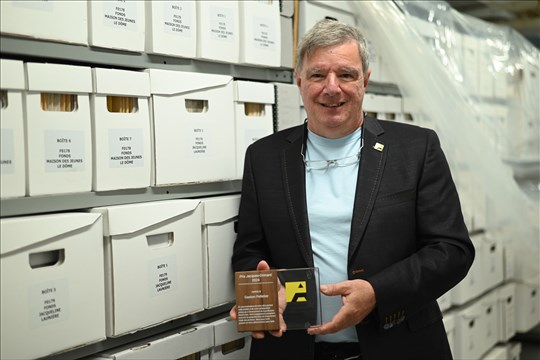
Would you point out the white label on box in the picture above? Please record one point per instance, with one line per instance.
(177, 19)
(45, 5)
(254, 135)
(49, 302)
(199, 142)
(163, 275)
(8, 152)
(222, 24)
(264, 33)
(126, 148)
(120, 14)
(64, 151)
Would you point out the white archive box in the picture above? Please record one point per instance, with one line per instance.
(229, 344)
(506, 298)
(493, 261)
(385, 106)
(312, 11)
(218, 30)
(450, 327)
(445, 301)
(58, 129)
(193, 119)
(287, 60)
(153, 263)
(52, 284)
(219, 235)
(253, 115)
(527, 304)
(122, 148)
(117, 24)
(56, 20)
(490, 329)
(188, 343)
(171, 28)
(499, 352)
(260, 33)
(287, 107)
(12, 151)
(469, 331)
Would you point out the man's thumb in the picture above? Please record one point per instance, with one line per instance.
(263, 265)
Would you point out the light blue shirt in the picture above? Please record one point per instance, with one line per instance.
(330, 200)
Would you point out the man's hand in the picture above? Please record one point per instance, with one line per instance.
(263, 265)
(358, 301)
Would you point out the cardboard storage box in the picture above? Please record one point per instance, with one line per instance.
(117, 24)
(385, 107)
(469, 331)
(287, 107)
(58, 129)
(219, 235)
(450, 327)
(193, 119)
(52, 295)
(493, 261)
(527, 304)
(56, 20)
(313, 11)
(12, 152)
(122, 148)
(154, 263)
(171, 28)
(260, 33)
(189, 343)
(218, 30)
(253, 116)
(506, 298)
(229, 344)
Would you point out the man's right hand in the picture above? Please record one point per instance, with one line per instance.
(263, 265)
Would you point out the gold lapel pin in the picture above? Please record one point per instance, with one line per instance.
(378, 147)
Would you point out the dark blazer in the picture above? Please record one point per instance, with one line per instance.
(408, 237)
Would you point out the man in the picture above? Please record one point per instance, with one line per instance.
(371, 203)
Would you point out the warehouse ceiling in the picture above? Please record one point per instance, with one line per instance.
(522, 15)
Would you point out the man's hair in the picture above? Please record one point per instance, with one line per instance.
(327, 33)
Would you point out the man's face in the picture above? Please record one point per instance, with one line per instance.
(332, 85)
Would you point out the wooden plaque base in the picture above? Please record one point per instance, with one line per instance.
(257, 300)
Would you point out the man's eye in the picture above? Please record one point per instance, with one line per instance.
(347, 76)
(316, 76)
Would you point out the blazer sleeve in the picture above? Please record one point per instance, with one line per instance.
(444, 251)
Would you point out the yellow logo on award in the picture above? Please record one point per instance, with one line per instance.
(296, 291)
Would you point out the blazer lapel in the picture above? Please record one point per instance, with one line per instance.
(372, 162)
(294, 183)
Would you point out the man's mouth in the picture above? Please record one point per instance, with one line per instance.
(335, 105)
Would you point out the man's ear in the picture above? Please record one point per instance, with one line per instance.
(298, 79)
(367, 74)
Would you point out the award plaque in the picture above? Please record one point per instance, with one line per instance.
(257, 300)
(259, 294)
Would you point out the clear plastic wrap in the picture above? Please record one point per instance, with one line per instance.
(477, 85)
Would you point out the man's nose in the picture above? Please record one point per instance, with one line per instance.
(331, 86)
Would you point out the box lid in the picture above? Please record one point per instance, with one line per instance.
(58, 78)
(225, 331)
(168, 82)
(220, 209)
(256, 92)
(11, 75)
(23, 232)
(130, 218)
(191, 340)
(121, 82)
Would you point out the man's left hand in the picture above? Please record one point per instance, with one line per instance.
(358, 301)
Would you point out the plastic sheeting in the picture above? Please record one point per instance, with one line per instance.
(477, 85)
